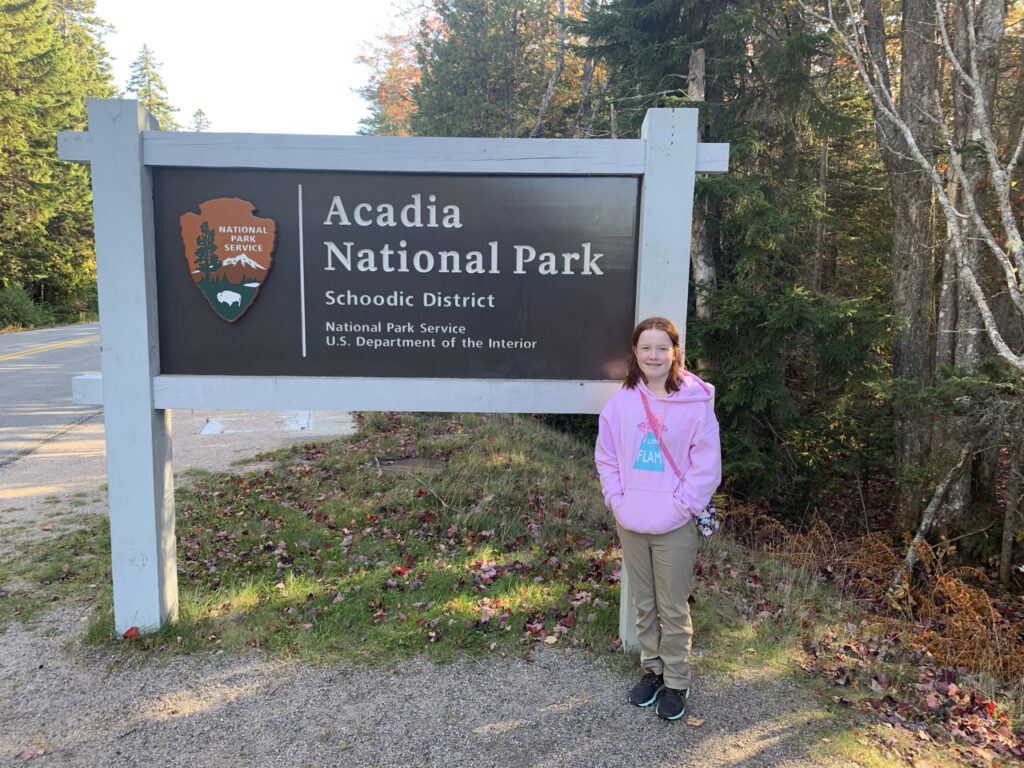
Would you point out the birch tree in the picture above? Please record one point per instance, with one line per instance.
(921, 131)
(946, 150)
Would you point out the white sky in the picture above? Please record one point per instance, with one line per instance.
(253, 66)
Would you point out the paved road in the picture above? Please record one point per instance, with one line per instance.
(36, 368)
(53, 452)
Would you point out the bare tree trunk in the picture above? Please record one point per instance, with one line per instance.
(945, 326)
(705, 273)
(912, 232)
(556, 75)
(702, 254)
(819, 235)
(975, 40)
(946, 319)
(588, 78)
(702, 257)
(1011, 516)
(930, 514)
(595, 110)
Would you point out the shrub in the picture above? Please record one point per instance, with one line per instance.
(17, 310)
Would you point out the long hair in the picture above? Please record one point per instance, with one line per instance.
(633, 372)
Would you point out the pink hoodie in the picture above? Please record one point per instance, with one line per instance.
(639, 485)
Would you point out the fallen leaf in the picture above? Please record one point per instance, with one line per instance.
(131, 633)
(696, 722)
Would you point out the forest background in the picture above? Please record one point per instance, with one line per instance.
(856, 289)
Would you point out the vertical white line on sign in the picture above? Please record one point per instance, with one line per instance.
(302, 277)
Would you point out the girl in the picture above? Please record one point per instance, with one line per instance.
(659, 459)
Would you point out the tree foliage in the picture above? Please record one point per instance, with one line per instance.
(200, 122)
(394, 74)
(51, 60)
(797, 327)
(485, 66)
(147, 84)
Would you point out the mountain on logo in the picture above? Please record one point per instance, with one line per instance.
(241, 259)
(239, 269)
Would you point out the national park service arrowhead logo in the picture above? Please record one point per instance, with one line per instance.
(229, 253)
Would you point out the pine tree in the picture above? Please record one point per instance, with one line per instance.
(485, 66)
(200, 122)
(51, 60)
(783, 350)
(70, 283)
(147, 84)
(206, 251)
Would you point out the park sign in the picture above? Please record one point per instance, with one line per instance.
(362, 273)
(384, 274)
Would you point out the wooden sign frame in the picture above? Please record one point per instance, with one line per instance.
(123, 145)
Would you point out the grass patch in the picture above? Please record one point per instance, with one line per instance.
(71, 568)
(437, 534)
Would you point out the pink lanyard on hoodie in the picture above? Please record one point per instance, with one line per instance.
(657, 436)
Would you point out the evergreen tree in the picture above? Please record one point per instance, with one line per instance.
(485, 66)
(147, 84)
(70, 283)
(51, 60)
(207, 259)
(200, 122)
(785, 349)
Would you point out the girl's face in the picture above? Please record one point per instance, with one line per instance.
(654, 355)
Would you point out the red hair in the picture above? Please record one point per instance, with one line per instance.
(633, 372)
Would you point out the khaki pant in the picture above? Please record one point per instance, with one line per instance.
(660, 567)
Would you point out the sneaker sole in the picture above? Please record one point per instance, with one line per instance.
(673, 717)
(650, 701)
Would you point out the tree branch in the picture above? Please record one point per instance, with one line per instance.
(928, 517)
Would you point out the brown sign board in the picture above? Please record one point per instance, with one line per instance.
(318, 273)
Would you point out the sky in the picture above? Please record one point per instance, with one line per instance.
(253, 66)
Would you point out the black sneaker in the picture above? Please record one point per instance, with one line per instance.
(647, 690)
(672, 704)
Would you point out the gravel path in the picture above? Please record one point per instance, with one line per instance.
(65, 705)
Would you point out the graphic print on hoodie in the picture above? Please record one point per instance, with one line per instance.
(649, 456)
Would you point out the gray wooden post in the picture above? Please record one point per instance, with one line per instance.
(139, 476)
(663, 277)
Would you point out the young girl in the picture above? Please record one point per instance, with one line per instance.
(659, 459)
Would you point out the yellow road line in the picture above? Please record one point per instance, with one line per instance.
(47, 347)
